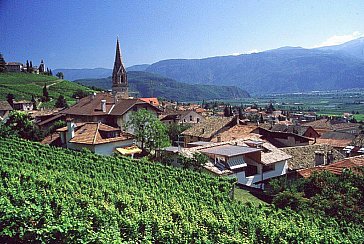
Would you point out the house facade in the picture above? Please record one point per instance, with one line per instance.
(23, 105)
(14, 67)
(106, 108)
(95, 136)
(183, 117)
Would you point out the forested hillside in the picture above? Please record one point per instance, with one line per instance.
(55, 195)
(151, 85)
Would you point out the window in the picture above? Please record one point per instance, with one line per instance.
(268, 168)
(251, 170)
(191, 119)
(198, 120)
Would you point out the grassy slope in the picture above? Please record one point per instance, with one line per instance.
(23, 86)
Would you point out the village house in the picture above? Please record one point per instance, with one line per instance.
(282, 139)
(95, 136)
(5, 109)
(250, 161)
(182, 117)
(14, 67)
(208, 129)
(301, 130)
(105, 108)
(337, 124)
(23, 105)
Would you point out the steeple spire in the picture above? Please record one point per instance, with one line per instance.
(119, 78)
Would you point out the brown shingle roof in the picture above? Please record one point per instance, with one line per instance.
(208, 127)
(304, 156)
(330, 125)
(237, 132)
(89, 106)
(296, 129)
(92, 106)
(5, 106)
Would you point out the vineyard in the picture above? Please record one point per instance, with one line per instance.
(55, 195)
(24, 86)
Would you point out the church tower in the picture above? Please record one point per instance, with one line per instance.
(119, 78)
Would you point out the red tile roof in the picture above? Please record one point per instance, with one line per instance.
(335, 168)
(151, 100)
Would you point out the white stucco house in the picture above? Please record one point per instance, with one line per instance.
(95, 136)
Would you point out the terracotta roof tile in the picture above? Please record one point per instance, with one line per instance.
(91, 133)
(335, 168)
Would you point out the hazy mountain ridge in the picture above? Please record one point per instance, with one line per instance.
(152, 85)
(282, 70)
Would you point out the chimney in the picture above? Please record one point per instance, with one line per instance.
(103, 105)
(115, 99)
(319, 158)
(77, 99)
(218, 138)
(70, 130)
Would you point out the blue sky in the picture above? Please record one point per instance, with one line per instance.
(82, 34)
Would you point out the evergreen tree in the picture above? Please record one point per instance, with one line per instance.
(2, 63)
(226, 111)
(50, 72)
(45, 93)
(28, 67)
(31, 67)
(34, 103)
(241, 115)
(261, 119)
(10, 98)
(61, 102)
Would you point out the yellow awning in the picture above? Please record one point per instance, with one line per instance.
(128, 150)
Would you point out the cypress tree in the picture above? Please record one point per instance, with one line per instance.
(28, 68)
(2, 63)
(45, 93)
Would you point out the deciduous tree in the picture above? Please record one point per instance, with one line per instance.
(148, 130)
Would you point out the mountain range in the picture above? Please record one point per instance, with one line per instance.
(143, 84)
(282, 70)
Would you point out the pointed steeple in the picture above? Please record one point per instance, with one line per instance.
(119, 78)
(118, 60)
